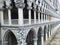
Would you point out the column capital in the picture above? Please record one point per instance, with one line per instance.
(35, 39)
(29, 7)
(9, 7)
(20, 5)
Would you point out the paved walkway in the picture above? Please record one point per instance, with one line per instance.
(56, 39)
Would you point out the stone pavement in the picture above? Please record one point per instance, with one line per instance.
(56, 39)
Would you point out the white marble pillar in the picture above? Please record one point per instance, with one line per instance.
(9, 16)
(41, 17)
(47, 17)
(49, 33)
(44, 17)
(2, 20)
(46, 33)
(35, 17)
(34, 13)
(42, 40)
(29, 16)
(46, 36)
(38, 17)
(42, 36)
(20, 16)
(42, 14)
(35, 41)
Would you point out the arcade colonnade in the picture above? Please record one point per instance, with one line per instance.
(27, 22)
(24, 12)
(30, 36)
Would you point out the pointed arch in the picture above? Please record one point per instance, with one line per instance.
(39, 36)
(45, 33)
(30, 37)
(9, 38)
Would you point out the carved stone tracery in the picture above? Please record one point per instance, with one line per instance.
(21, 37)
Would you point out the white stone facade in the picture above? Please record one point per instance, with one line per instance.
(27, 22)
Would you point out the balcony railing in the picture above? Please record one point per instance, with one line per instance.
(26, 22)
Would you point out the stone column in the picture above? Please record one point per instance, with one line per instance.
(29, 8)
(38, 14)
(44, 17)
(42, 36)
(2, 20)
(35, 41)
(42, 39)
(42, 13)
(9, 16)
(41, 17)
(46, 36)
(20, 16)
(38, 17)
(20, 7)
(34, 13)
(49, 30)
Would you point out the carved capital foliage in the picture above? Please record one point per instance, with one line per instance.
(29, 2)
(8, 2)
(20, 3)
(38, 8)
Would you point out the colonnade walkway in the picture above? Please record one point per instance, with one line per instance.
(55, 39)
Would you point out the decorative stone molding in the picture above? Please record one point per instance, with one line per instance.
(21, 37)
(8, 2)
(20, 3)
(29, 2)
(38, 8)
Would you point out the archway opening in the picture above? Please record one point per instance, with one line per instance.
(9, 39)
(14, 10)
(25, 10)
(32, 13)
(30, 37)
(45, 33)
(48, 31)
(39, 36)
(5, 13)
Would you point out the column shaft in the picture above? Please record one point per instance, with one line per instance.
(35, 17)
(20, 16)
(46, 36)
(42, 36)
(38, 17)
(2, 20)
(9, 16)
(29, 16)
(42, 40)
(41, 17)
(35, 42)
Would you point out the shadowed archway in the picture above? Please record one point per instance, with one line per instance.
(9, 39)
(45, 33)
(30, 37)
(39, 36)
